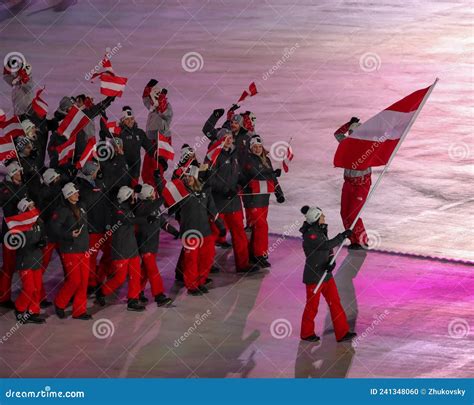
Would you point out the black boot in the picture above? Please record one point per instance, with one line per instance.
(60, 312)
(142, 298)
(179, 277)
(45, 304)
(28, 317)
(85, 316)
(209, 282)
(203, 289)
(251, 268)
(355, 246)
(100, 297)
(224, 245)
(7, 304)
(263, 262)
(195, 292)
(312, 338)
(215, 269)
(135, 305)
(163, 301)
(348, 336)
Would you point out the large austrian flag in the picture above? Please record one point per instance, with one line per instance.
(214, 151)
(12, 127)
(262, 186)
(73, 123)
(165, 150)
(173, 192)
(22, 222)
(372, 143)
(66, 150)
(7, 148)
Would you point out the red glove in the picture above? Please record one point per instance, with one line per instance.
(162, 103)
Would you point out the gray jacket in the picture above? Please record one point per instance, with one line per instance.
(157, 121)
(22, 94)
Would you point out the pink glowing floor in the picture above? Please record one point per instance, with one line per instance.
(414, 319)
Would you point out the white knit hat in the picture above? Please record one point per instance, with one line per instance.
(24, 204)
(127, 112)
(256, 140)
(312, 214)
(69, 189)
(192, 171)
(124, 194)
(50, 175)
(12, 169)
(146, 192)
(27, 126)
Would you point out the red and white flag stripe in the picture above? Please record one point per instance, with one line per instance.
(112, 85)
(114, 128)
(88, 153)
(22, 222)
(214, 151)
(165, 150)
(288, 158)
(173, 192)
(66, 150)
(372, 143)
(7, 148)
(262, 186)
(252, 90)
(12, 127)
(40, 106)
(73, 123)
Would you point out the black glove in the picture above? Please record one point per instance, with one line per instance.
(280, 199)
(41, 243)
(354, 119)
(171, 230)
(330, 267)
(234, 107)
(137, 188)
(219, 112)
(347, 233)
(163, 163)
(151, 83)
(277, 172)
(221, 227)
(151, 218)
(52, 124)
(164, 91)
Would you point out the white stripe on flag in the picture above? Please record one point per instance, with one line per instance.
(174, 192)
(73, 124)
(14, 224)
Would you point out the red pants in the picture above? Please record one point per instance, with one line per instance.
(151, 273)
(76, 267)
(338, 316)
(47, 254)
(235, 223)
(6, 274)
(257, 221)
(96, 244)
(120, 269)
(30, 294)
(354, 194)
(149, 166)
(197, 263)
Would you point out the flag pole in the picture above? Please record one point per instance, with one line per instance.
(385, 169)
